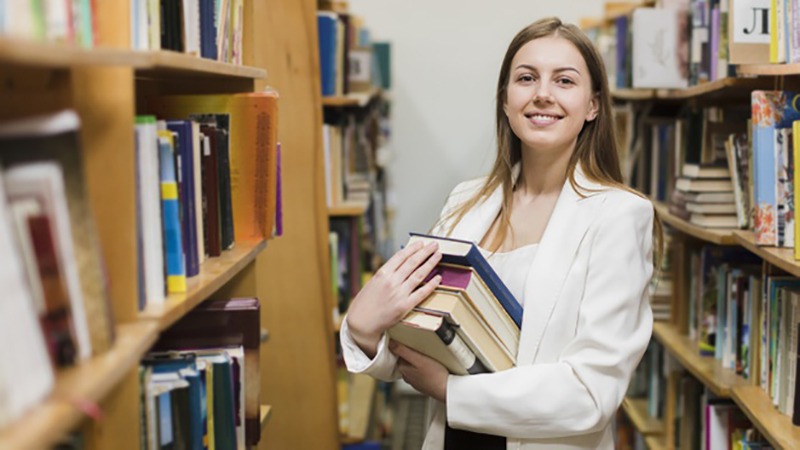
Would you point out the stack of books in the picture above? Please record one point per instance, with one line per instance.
(471, 322)
(704, 196)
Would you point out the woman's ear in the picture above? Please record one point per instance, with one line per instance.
(593, 108)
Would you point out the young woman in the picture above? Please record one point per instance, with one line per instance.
(573, 244)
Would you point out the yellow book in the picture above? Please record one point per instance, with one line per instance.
(208, 439)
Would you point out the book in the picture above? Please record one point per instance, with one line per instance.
(711, 208)
(457, 309)
(174, 260)
(432, 335)
(715, 220)
(693, 170)
(466, 253)
(703, 185)
(55, 137)
(657, 49)
(467, 283)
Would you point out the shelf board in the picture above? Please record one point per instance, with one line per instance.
(265, 414)
(782, 258)
(705, 368)
(90, 382)
(714, 235)
(633, 94)
(768, 69)
(361, 395)
(655, 442)
(636, 409)
(168, 63)
(214, 273)
(714, 89)
(776, 427)
(359, 99)
(349, 209)
(24, 52)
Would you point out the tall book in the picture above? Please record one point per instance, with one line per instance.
(174, 260)
(54, 137)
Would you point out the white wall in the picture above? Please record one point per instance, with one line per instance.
(446, 56)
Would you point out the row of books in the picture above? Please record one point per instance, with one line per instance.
(680, 43)
(206, 178)
(56, 311)
(345, 54)
(746, 319)
(200, 384)
(211, 29)
(471, 322)
(71, 22)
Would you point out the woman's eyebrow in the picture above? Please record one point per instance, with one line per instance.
(558, 70)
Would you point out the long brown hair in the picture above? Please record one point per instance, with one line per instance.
(596, 147)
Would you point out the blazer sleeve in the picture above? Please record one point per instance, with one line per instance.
(384, 365)
(582, 390)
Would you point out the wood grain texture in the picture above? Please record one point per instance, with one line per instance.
(298, 369)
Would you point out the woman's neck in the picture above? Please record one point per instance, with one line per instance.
(542, 174)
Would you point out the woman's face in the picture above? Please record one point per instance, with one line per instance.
(549, 95)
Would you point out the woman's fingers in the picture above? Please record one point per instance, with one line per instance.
(423, 292)
(398, 259)
(415, 260)
(421, 272)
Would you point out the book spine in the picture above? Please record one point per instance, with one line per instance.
(459, 349)
(796, 412)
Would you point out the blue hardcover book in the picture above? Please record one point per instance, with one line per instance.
(171, 216)
(208, 29)
(466, 253)
(327, 23)
(185, 152)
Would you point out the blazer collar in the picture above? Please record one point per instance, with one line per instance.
(570, 220)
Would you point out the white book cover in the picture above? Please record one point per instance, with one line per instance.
(26, 376)
(660, 48)
(197, 138)
(44, 181)
(149, 206)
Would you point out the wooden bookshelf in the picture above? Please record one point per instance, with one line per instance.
(630, 94)
(172, 64)
(776, 427)
(214, 273)
(636, 409)
(705, 368)
(724, 88)
(88, 383)
(713, 235)
(782, 258)
(265, 413)
(361, 398)
(351, 209)
(357, 99)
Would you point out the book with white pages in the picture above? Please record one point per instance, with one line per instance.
(711, 208)
(26, 375)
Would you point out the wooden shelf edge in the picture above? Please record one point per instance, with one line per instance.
(633, 94)
(636, 409)
(359, 99)
(352, 209)
(776, 427)
(782, 258)
(265, 414)
(89, 382)
(712, 235)
(768, 69)
(169, 61)
(214, 273)
(25, 52)
(655, 442)
(705, 368)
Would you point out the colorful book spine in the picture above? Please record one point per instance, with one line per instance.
(185, 152)
(170, 206)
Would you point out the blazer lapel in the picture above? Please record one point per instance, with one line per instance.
(565, 230)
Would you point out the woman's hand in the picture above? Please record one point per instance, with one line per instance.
(391, 294)
(423, 373)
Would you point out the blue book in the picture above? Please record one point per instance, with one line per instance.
(171, 216)
(184, 148)
(326, 24)
(466, 253)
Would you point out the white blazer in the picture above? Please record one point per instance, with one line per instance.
(586, 324)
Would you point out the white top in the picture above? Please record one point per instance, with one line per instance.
(512, 267)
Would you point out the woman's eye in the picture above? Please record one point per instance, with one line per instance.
(526, 78)
(565, 81)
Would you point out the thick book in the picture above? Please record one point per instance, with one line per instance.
(465, 282)
(185, 152)
(174, 260)
(432, 335)
(457, 309)
(466, 253)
